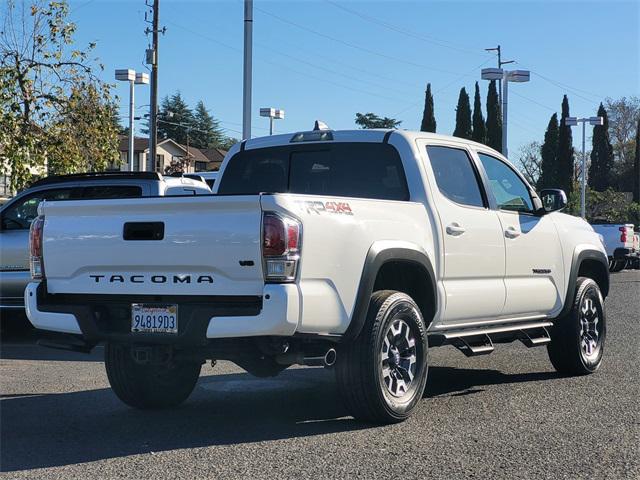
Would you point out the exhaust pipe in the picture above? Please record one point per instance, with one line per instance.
(328, 359)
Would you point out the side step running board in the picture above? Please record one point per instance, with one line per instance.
(472, 348)
(480, 341)
(535, 337)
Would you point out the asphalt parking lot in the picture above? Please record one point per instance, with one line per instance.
(506, 415)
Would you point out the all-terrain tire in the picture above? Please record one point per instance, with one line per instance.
(617, 265)
(372, 369)
(148, 386)
(577, 339)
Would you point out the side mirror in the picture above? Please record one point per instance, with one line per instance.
(553, 199)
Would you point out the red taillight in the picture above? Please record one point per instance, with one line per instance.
(273, 236)
(36, 262)
(623, 237)
(280, 247)
(293, 236)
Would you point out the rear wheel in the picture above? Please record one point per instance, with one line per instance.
(617, 265)
(382, 374)
(577, 339)
(148, 386)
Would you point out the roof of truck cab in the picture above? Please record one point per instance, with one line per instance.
(362, 135)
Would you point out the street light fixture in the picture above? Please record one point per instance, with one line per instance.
(129, 75)
(516, 76)
(572, 122)
(273, 114)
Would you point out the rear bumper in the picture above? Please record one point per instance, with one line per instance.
(12, 284)
(108, 317)
(624, 253)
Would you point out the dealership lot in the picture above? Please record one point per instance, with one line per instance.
(506, 415)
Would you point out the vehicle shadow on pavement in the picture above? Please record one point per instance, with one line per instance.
(45, 430)
(463, 381)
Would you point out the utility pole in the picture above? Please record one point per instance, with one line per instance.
(505, 76)
(500, 64)
(572, 122)
(152, 59)
(248, 57)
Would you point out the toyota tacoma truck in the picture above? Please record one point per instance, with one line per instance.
(354, 249)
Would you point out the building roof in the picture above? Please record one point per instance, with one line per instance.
(140, 144)
(215, 155)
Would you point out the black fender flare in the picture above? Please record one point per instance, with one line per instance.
(576, 262)
(376, 257)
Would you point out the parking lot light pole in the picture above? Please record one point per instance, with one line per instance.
(273, 114)
(517, 76)
(572, 122)
(129, 75)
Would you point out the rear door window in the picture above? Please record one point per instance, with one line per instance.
(455, 175)
(361, 170)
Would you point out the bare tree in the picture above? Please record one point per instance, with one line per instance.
(530, 159)
(624, 114)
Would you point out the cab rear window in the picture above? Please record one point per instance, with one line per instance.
(361, 170)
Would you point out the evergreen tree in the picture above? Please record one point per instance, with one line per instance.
(479, 126)
(549, 156)
(636, 166)
(371, 120)
(428, 117)
(494, 118)
(463, 116)
(207, 132)
(601, 169)
(566, 160)
(173, 117)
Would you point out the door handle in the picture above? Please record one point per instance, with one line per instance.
(455, 229)
(511, 232)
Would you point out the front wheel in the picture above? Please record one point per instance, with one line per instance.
(148, 386)
(382, 374)
(577, 339)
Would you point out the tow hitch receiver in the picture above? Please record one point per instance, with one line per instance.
(152, 355)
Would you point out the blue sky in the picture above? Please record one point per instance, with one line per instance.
(319, 61)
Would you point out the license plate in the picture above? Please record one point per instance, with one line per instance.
(154, 318)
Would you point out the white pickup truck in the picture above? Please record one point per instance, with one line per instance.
(621, 244)
(360, 248)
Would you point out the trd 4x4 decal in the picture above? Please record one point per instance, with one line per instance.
(320, 207)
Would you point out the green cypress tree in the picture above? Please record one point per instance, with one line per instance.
(428, 116)
(463, 116)
(494, 118)
(636, 166)
(479, 126)
(602, 162)
(549, 156)
(566, 160)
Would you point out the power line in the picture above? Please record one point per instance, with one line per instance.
(565, 87)
(355, 46)
(281, 66)
(534, 101)
(334, 61)
(404, 31)
(442, 89)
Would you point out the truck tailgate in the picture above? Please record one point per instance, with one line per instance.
(200, 245)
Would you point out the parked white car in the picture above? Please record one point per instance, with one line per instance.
(360, 248)
(17, 214)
